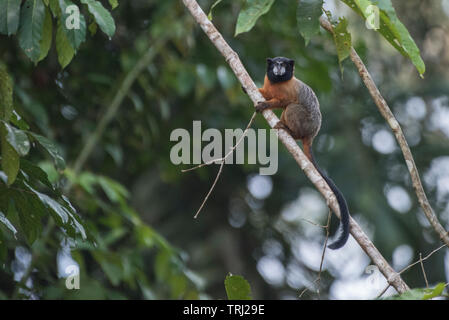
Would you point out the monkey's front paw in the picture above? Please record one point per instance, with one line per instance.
(261, 106)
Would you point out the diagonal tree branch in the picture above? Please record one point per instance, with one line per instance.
(399, 135)
(237, 67)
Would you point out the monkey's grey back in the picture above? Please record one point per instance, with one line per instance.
(303, 118)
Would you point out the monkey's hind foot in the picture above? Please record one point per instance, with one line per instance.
(281, 125)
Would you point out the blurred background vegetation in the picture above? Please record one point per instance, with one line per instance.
(138, 207)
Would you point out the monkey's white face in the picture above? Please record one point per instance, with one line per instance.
(278, 68)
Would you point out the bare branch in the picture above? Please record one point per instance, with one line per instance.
(210, 190)
(421, 260)
(237, 67)
(218, 160)
(399, 135)
(222, 160)
(423, 271)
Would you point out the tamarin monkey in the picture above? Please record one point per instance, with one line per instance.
(301, 117)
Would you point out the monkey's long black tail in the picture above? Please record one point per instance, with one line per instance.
(344, 212)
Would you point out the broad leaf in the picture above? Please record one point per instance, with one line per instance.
(7, 223)
(307, 17)
(102, 16)
(64, 214)
(46, 35)
(435, 292)
(389, 26)
(30, 211)
(9, 16)
(63, 47)
(54, 7)
(51, 148)
(237, 288)
(33, 172)
(343, 42)
(115, 191)
(6, 87)
(18, 121)
(113, 3)
(31, 27)
(250, 13)
(72, 23)
(420, 293)
(17, 139)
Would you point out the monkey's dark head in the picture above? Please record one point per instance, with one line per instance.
(280, 69)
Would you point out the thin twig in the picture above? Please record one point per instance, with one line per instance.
(317, 281)
(423, 259)
(222, 160)
(399, 135)
(382, 292)
(210, 190)
(411, 265)
(237, 67)
(218, 160)
(423, 271)
(314, 223)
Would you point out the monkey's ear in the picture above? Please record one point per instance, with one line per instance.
(291, 62)
(269, 61)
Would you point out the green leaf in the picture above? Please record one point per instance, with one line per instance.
(102, 16)
(47, 35)
(114, 190)
(209, 16)
(343, 42)
(162, 265)
(51, 148)
(31, 27)
(93, 28)
(63, 47)
(435, 292)
(72, 23)
(414, 294)
(6, 87)
(64, 214)
(18, 121)
(237, 288)
(54, 7)
(30, 211)
(34, 172)
(389, 26)
(7, 223)
(9, 16)
(10, 157)
(307, 17)
(251, 11)
(17, 139)
(113, 3)
(111, 265)
(420, 293)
